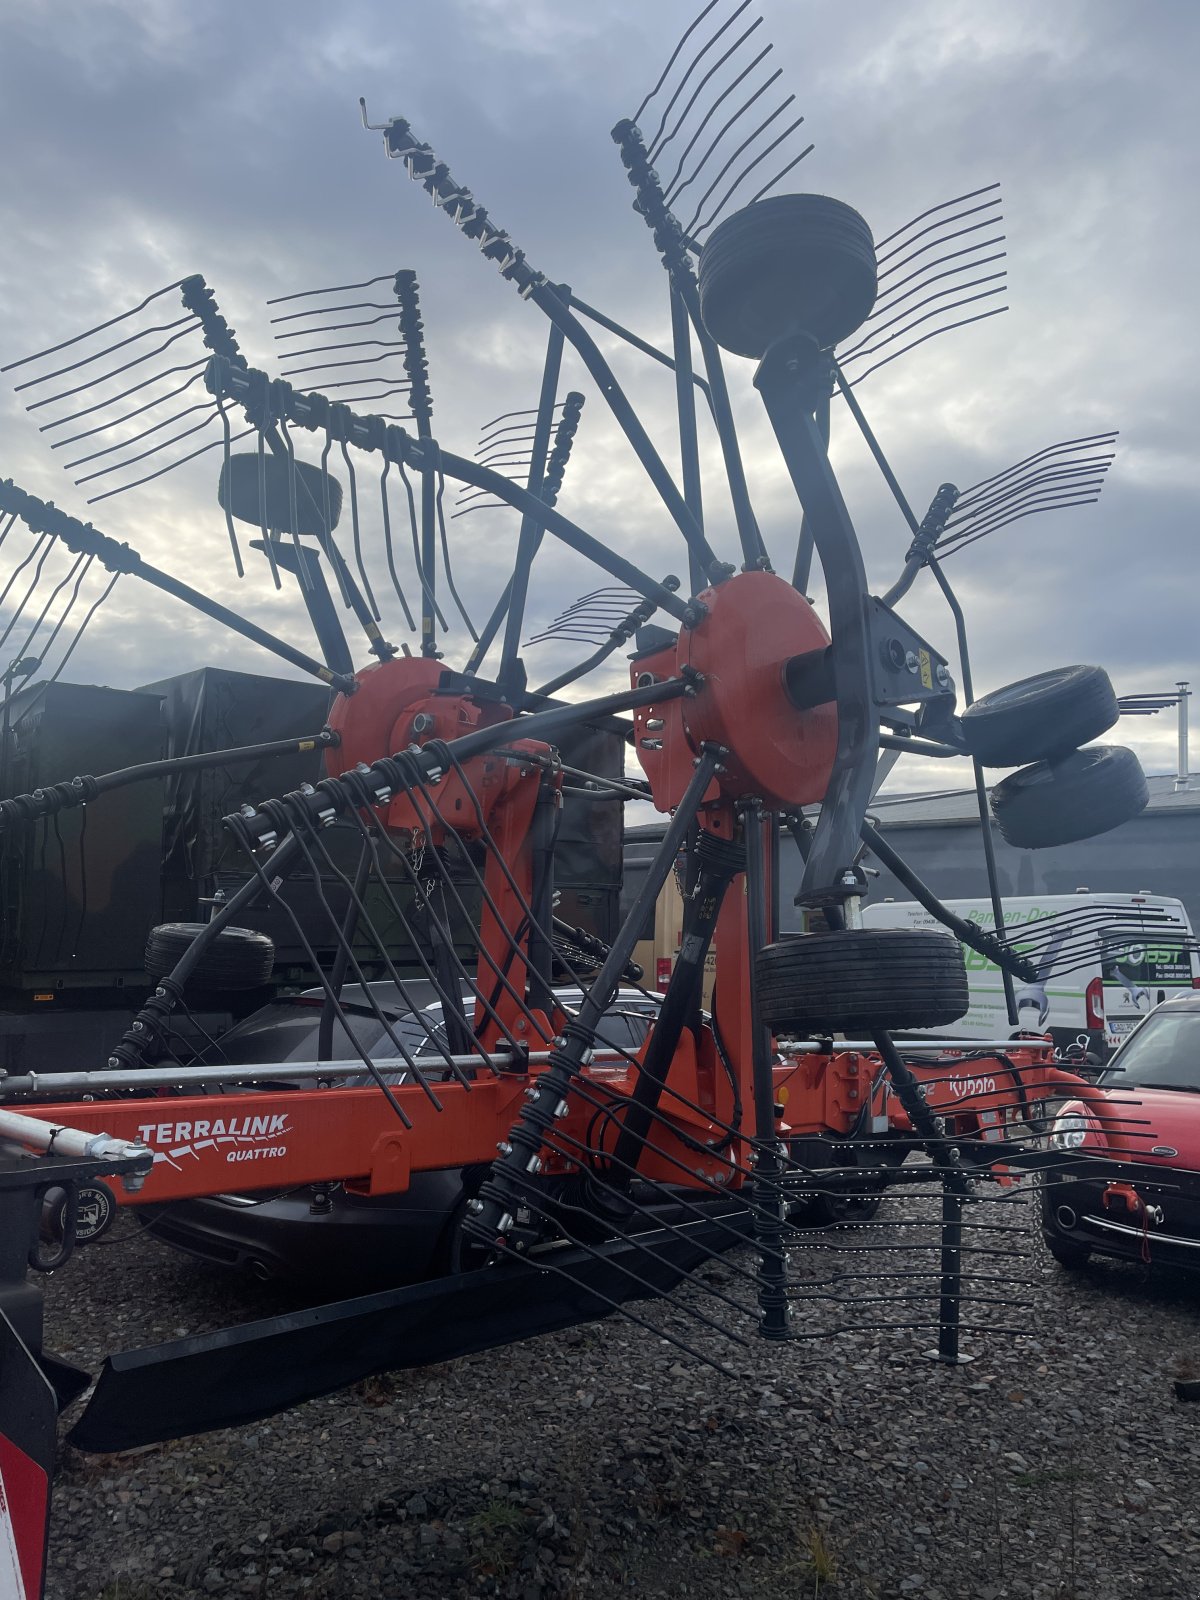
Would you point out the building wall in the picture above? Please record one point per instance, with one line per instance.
(1158, 851)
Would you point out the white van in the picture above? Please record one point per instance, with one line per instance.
(1103, 961)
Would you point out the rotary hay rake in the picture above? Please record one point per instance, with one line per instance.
(599, 1176)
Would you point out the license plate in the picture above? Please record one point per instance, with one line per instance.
(1123, 1024)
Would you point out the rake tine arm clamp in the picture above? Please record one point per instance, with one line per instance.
(43, 515)
(672, 246)
(365, 433)
(424, 167)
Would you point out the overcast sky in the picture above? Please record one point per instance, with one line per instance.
(146, 140)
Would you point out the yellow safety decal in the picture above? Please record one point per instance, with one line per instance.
(926, 668)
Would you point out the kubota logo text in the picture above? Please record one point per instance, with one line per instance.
(238, 1138)
(961, 1088)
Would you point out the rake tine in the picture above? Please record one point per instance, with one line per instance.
(674, 57)
(707, 79)
(669, 192)
(692, 65)
(65, 344)
(963, 322)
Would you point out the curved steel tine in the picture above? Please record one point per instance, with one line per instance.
(335, 366)
(1049, 472)
(64, 394)
(335, 288)
(29, 593)
(953, 255)
(486, 505)
(194, 367)
(729, 160)
(933, 333)
(745, 173)
(1018, 516)
(527, 411)
(521, 461)
(356, 531)
(942, 205)
(268, 545)
(17, 571)
(445, 544)
(229, 527)
(82, 560)
(1089, 440)
(1036, 499)
(121, 344)
(116, 422)
(329, 311)
(387, 545)
(416, 544)
(327, 513)
(692, 65)
(670, 192)
(674, 57)
(110, 494)
(886, 304)
(707, 79)
(293, 510)
(937, 243)
(163, 444)
(78, 338)
(910, 312)
(945, 222)
(782, 173)
(902, 333)
(122, 444)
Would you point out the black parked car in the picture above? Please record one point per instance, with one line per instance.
(321, 1234)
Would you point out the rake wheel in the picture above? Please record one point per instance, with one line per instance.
(237, 958)
(1038, 718)
(1057, 802)
(238, 493)
(860, 979)
(797, 263)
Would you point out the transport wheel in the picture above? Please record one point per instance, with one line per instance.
(1067, 1253)
(1040, 717)
(1084, 793)
(864, 1189)
(796, 263)
(238, 493)
(238, 958)
(858, 980)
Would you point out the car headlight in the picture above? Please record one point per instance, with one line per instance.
(1069, 1130)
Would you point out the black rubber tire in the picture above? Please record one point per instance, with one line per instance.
(1039, 718)
(237, 491)
(238, 958)
(457, 1250)
(796, 263)
(1057, 802)
(863, 1196)
(858, 980)
(1073, 1257)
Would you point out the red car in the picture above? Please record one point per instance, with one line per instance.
(1141, 1123)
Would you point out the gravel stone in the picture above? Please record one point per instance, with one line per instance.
(1058, 1466)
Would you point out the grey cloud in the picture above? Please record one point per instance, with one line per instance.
(155, 140)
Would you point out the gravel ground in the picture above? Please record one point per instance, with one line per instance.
(603, 1463)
